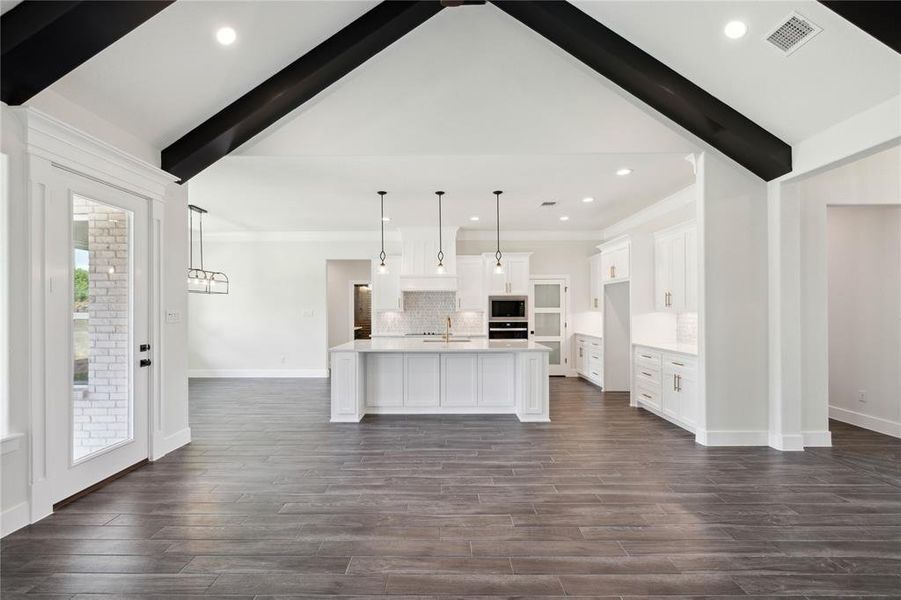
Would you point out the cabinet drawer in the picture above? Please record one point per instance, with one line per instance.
(683, 365)
(596, 344)
(595, 363)
(646, 358)
(648, 394)
(647, 374)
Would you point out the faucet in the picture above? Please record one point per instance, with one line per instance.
(447, 327)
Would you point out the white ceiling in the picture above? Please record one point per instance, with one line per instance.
(322, 193)
(169, 75)
(839, 73)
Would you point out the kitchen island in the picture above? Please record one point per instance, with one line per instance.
(416, 376)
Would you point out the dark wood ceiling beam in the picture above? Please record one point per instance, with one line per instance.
(881, 19)
(655, 84)
(41, 41)
(297, 83)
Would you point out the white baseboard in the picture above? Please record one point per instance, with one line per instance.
(708, 437)
(817, 439)
(261, 373)
(164, 445)
(14, 518)
(787, 442)
(877, 424)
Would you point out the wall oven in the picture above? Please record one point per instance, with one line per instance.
(508, 307)
(508, 330)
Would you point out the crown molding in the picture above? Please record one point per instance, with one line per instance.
(683, 197)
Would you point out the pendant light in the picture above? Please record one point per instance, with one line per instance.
(440, 270)
(498, 268)
(201, 281)
(383, 268)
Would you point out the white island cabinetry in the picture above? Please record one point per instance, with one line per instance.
(395, 376)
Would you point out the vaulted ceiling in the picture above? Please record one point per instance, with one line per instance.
(472, 81)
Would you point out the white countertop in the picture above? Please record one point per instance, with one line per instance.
(591, 335)
(417, 336)
(420, 345)
(690, 349)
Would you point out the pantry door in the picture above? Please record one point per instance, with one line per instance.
(97, 296)
(547, 320)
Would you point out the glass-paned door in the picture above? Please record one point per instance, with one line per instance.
(100, 421)
(548, 321)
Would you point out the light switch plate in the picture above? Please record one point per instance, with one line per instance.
(173, 316)
(306, 312)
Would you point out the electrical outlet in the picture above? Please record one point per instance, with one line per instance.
(862, 396)
(306, 312)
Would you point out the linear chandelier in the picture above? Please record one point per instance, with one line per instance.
(201, 281)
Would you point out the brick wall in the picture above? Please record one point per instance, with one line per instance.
(101, 406)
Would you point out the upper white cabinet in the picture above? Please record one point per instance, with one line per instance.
(614, 261)
(596, 284)
(470, 288)
(386, 292)
(515, 278)
(676, 269)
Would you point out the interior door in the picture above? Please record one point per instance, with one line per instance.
(98, 363)
(547, 320)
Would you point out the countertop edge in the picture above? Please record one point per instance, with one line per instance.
(663, 347)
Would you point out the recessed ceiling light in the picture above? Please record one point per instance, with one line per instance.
(587, 199)
(564, 218)
(623, 171)
(226, 36)
(735, 30)
(386, 219)
(473, 218)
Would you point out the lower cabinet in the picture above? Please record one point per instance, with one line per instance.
(666, 384)
(425, 382)
(496, 381)
(422, 380)
(590, 358)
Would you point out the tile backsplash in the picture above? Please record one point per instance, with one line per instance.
(687, 328)
(426, 312)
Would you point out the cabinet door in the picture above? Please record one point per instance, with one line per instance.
(581, 359)
(496, 380)
(518, 275)
(677, 299)
(691, 270)
(385, 380)
(386, 294)
(606, 264)
(670, 396)
(663, 270)
(621, 263)
(688, 398)
(469, 283)
(596, 286)
(460, 380)
(422, 380)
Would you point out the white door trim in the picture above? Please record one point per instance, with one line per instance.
(48, 145)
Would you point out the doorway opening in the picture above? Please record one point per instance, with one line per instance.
(348, 301)
(864, 302)
(361, 319)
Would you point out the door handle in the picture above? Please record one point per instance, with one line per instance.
(145, 362)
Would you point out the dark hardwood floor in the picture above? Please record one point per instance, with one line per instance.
(270, 501)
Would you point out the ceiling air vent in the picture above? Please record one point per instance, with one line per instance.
(792, 33)
(550, 203)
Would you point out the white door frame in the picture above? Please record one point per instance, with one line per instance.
(49, 146)
(353, 316)
(568, 368)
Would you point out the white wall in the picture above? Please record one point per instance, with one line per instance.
(871, 180)
(340, 274)
(273, 322)
(732, 336)
(864, 299)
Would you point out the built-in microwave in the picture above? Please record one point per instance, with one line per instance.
(508, 308)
